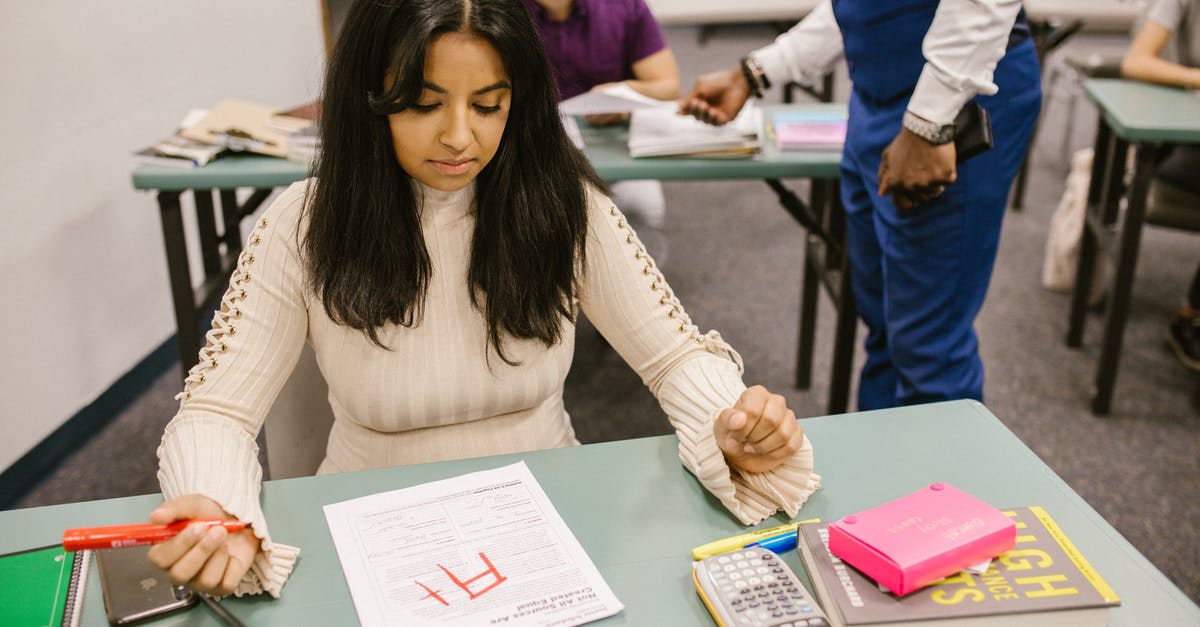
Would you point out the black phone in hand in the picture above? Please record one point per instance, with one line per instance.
(972, 131)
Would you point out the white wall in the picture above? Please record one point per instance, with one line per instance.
(84, 294)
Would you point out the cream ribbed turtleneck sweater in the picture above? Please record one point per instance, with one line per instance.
(437, 394)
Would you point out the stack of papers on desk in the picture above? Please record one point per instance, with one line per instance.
(661, 132)
(242, 125)
(485, 548)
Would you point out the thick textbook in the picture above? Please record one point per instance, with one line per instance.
(1043, 581)
(43, 587)
(912, 541)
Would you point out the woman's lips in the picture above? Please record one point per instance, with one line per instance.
(453, 167)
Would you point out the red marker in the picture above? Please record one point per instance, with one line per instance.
(117, 536)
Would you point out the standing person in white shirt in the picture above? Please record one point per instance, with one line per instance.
(922, 229)
(1151, 58)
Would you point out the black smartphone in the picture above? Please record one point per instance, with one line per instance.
(972, 131)
(134, 588)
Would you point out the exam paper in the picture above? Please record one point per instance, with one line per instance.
(486, 548)
(615, 98)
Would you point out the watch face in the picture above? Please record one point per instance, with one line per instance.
(944, 135)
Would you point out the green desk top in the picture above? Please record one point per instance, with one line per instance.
(1140, 112)
(638, 513)
(604, 147)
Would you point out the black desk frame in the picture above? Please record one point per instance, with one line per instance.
(827, 263)
(193, 306)
(1120, 239)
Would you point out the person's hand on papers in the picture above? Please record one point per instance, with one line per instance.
(608, 119)
(758, 432)
(915, 171)
(717, 97)
(212, 561)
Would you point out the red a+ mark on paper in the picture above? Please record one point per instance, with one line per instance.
(465, 586)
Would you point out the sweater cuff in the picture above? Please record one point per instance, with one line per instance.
(193, 443)
(751, 497)
(693, 398)
(789, 484)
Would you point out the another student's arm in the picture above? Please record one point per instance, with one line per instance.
(1142, 61)
(656, 76)
(208, 456)
(804, 54)
(696, 378)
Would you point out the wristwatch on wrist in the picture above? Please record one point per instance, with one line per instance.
(936, 134)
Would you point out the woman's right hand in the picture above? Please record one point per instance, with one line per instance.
(210, 561)
(717, 97)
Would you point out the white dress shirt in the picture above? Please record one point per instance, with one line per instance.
(965, 42)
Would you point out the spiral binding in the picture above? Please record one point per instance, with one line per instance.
(73, 606)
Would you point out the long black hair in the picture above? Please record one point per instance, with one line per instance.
(365, 255)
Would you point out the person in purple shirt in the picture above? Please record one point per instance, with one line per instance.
(595, 43)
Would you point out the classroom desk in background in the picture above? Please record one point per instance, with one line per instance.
(638, 514)
(606, 149)
(1132, 115)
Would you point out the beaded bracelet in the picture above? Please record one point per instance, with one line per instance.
(755, 76)
(751, 79)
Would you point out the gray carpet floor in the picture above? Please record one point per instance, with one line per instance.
(734, 260)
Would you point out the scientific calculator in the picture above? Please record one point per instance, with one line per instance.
(753, 587)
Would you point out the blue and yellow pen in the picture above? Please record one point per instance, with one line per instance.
(733, 543)
(781, 543)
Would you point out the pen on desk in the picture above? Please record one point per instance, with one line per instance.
(781, 543)
(116, 536)
(733, 543)
(222, 613)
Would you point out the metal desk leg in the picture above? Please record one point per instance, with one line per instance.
(186, 320)
(843, 342)
(230, 215)
(809, 293)
(1126, 262)
(1105, 169)
(206, 223)
(847, 311)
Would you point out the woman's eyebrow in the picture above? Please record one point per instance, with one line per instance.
(502, 84)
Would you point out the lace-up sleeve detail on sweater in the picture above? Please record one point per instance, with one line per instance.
(694, 375)
(256, 338)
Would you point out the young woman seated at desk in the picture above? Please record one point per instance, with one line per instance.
(436, 263)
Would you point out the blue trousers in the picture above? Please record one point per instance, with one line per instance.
(920, 277)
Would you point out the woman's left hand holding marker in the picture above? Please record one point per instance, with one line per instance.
(210, 561)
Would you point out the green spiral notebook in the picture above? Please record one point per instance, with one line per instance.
(42, 587)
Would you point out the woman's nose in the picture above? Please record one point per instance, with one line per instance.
(456, 132)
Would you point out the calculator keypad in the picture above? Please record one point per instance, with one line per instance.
(757, 589)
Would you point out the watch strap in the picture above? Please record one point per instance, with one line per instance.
(932, 132)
